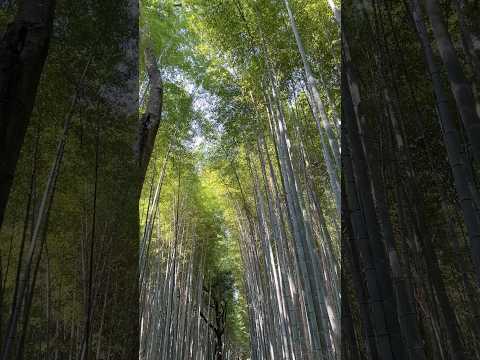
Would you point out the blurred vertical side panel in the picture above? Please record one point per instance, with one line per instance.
(410, 185)
(71, 179)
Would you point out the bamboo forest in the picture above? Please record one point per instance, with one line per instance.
(410, 190)
(240, 180)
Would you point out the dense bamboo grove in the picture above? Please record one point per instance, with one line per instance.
(240, 253)
(410, 199)
(176, 176)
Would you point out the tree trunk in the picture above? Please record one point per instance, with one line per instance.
(319, 110)
(452, 142)
(461, 88)
(23, 50)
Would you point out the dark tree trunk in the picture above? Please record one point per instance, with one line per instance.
(461, 88)
(150, 120)
(23, 50)
(218, 345)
